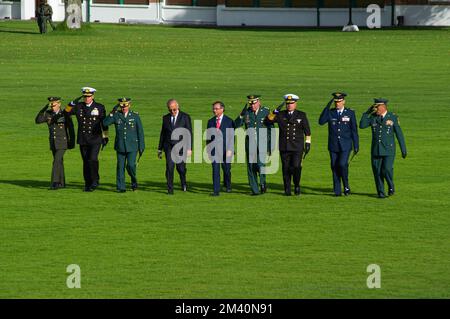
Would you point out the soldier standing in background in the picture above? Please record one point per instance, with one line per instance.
(61, 137)
(44, 13)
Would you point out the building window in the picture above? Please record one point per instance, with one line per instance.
(143, 2)
(191, 3)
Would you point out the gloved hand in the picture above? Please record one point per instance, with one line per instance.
(244, 110)
(159, 154)
(307, 149)
(46, 106)
(371, 110)
(330, 102)
(104, 142)
(115, 108)
(76, 101)
(404, 155)
(278, 109)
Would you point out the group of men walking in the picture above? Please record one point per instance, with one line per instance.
(258, 121)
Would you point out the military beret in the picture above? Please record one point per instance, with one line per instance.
(54, 99)
(253, 98)
(290, 98)
(380, 101)
(339, 95)
(88, 91)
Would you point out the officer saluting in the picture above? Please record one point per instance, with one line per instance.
(294, 130)
(253, 118)
(61, 137)
(129, 141)
(342, 135)
(384, 126)
(92, 134)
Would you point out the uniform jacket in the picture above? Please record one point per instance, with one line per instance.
(165, 137)
(250, 120)
(293, 130)
(60, 127)
(227, 137)
(342, 131)
(383, 131)
(90, 122)
(129, 131)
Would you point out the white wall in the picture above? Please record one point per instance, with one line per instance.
(425, 15)
(434, 15)
(185, 15)
(294, 17)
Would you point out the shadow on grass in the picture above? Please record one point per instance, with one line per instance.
(25, 183)
(5, 30)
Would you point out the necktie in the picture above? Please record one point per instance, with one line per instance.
(173, 120)
(339, 113)
(218, 123)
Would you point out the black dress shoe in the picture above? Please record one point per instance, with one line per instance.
(287, 194)
(53, 187)
(297, 190)
(214, 194)
(184, 188)
(228, 190)
(337, 195)
(263, 188)
(381, 195)
(134, 186)
(87, 189)
(94, 185)
(391, 192)
(121, 191)
(170, 192)
(347, 191)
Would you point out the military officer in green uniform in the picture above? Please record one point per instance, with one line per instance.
(61, 137)
(44, 13)
(253, 118)
(385, 125)
(129, 141)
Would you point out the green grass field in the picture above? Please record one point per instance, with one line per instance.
(150, 245)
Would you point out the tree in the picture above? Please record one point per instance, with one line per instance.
(73, 17)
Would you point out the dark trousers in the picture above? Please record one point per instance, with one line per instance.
(339, 167)
(383, 169)
(128, 161)
(42, 23)
(291, 164)
(253, 171)
(58, 167)
(170, 167)
(226, 168)
(89, 154)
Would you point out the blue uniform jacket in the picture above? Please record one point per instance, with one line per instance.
(342, 131)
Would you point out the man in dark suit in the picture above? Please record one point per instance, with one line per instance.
(342, 137)
(177, 147)
(220, 146)
(92, 134)
(61, 137)
(294, 132)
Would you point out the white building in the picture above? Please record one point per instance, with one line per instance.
(283, 13)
